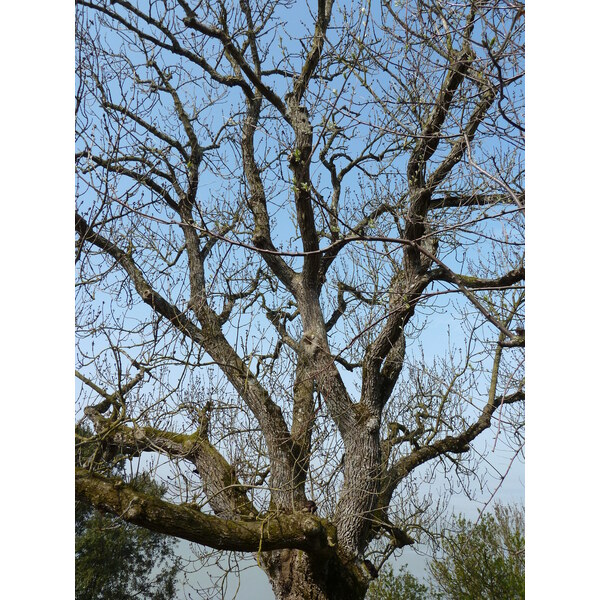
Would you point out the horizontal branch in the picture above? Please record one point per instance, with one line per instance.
(302, 531)
(466, 290)
(469, 200)
(475, 283)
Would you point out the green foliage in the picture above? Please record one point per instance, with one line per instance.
(483, 560)
(398, 586)
(115, 560)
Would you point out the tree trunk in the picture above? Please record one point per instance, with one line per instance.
(297, 575)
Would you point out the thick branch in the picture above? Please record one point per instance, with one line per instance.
(145, 291)
(379, 377)
(257, 200)
(475, 283)
(460, 146)
(299, 530)
(429, 139)
(314, 54)
(468, 200)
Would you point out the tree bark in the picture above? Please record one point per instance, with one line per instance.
(297, 575)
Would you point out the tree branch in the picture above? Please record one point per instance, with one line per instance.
(474, 283)
(450, 444)
(299, 530)
(224, 492)
(211, 338)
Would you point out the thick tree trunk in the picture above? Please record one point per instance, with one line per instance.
(297, 575)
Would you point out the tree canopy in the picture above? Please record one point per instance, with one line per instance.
(300, 270)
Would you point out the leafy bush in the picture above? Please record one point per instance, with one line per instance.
(482, 560)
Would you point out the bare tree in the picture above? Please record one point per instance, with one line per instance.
(279, 207)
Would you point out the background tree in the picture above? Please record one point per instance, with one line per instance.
(485, 559)
(482, 559)
(399, 585)
(119, 561)
(280, 207)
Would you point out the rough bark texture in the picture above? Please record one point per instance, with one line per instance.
(297, 575)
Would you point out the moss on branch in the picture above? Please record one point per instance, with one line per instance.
(302, 531)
